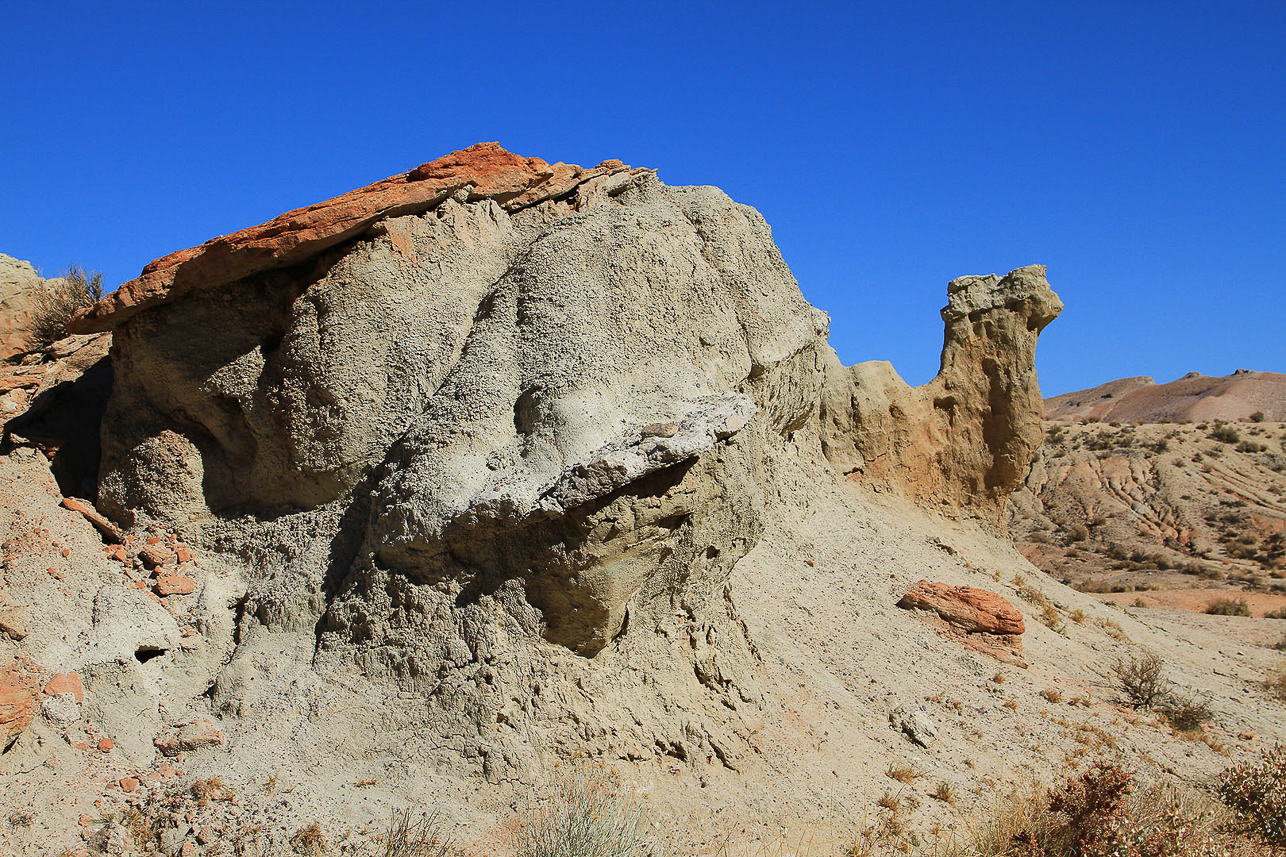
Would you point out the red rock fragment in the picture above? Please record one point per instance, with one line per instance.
(119, 555)
(66, 683)
(103, 525)
(18, 688)
(128, 784)
(182, 554)
(971, 609)
(154, 556)
(174, 584)
(105, 745)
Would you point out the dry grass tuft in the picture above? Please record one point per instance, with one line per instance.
(902, 773)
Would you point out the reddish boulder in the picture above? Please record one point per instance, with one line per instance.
(972, 610)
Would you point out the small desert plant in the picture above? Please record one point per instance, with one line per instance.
(1052, 694)
(1185, 713)
(586, 817)
(55, 305)
(210, 790)
(1143, 679)
(411, 838)
(1257, 417)
(945, 793)
(1256, 791)
(1275, 684)
(901, 773)
(1228, 607)
(309, 841)
(1276, 614)
(1224, 434)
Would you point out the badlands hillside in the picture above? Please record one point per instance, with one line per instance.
(498, 477)
(1191, 513)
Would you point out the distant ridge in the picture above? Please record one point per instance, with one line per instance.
(1192, 397)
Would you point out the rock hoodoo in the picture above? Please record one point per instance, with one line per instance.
(965, 439)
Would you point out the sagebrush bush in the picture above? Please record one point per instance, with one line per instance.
(1256, 791)
(586, 816)
(55, 306)
(1228, 607)
(1143, 679)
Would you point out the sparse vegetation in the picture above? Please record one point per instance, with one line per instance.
(1143, 681)
(55, 306)
(408, 837)
(1228, 607)
(309, 841)
(945, 793)
(1104, 811)
(902, 773)
(1224, 434)
(1256, 792)
(1052, 694)
(1275, 684)
(586, 816)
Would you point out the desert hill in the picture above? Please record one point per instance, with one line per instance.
(435, 495)
(1192, 397)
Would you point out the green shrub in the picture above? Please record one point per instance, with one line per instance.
(1228, 607)
(1224, 434)
(1256, 791)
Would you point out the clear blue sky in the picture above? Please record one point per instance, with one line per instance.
(1137, 149)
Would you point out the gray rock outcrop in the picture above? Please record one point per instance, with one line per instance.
(530, 412)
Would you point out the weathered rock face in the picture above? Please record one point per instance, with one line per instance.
(483, 171)
(19, 285)
(965, 439)
(545, 397)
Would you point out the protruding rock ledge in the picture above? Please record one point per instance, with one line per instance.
(482, 171)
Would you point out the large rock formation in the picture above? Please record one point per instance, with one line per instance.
(965, 439)
(444, 421)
